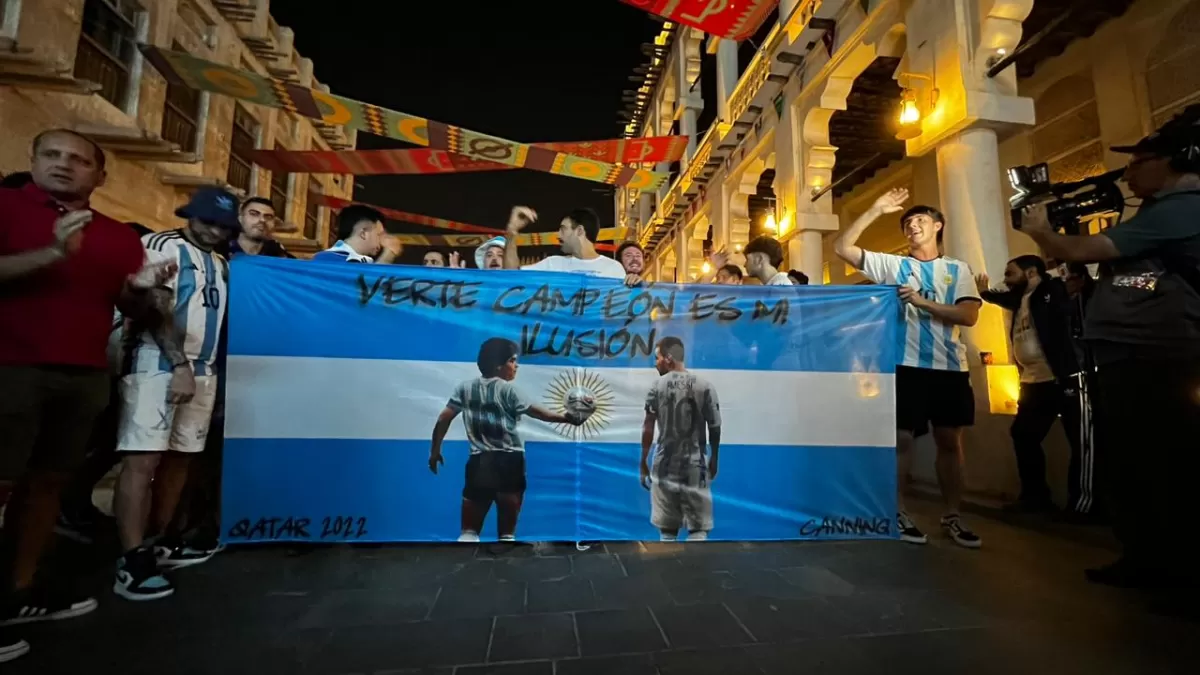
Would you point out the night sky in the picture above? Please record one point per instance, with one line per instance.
(548, 71)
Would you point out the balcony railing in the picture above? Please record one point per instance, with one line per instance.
(178, 128)
(95, 64)
(240, 173)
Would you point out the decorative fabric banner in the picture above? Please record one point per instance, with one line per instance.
(204, 75)
(733, 19)
(425, 161)
(338, 375)
(337, 203)
(528, 239)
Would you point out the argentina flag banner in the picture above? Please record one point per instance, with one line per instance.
(389, 403)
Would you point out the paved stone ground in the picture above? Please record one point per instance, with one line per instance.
(1018, 605)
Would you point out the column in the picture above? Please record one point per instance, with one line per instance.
(727, 75)
(682, 263)
(976, 224)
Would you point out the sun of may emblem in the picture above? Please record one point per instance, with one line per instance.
(571, 390)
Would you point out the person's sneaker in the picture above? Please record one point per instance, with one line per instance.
(909, 531)
(45, 603)
(11, 646)
(138, 577)
(962, 536)
(176, 556)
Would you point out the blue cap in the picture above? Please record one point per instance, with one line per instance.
(213, 205)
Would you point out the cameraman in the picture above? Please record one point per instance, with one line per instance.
(1143, 325)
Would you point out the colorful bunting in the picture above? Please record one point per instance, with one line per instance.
(480, 233)
(204, 75)
(426, 161)
(733, 19)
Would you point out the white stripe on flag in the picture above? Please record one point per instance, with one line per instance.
(324, 398)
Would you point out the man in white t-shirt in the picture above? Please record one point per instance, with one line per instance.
(933, 387)
(764, 255)
(577, 237)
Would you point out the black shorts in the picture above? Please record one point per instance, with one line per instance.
(47, 415)
(941, 398)
(492, 473)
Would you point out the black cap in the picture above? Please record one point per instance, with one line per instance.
(1168, 139)
(213, 205)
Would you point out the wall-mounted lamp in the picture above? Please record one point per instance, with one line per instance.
(769, 224)
(706, 267)
(910, 108)
(737, 248)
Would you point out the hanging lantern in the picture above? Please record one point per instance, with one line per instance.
(910, 116)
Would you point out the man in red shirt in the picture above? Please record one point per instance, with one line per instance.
(63, 269)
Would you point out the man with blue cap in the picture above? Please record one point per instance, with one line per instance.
(169, 398)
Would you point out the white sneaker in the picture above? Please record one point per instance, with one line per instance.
(468, 538)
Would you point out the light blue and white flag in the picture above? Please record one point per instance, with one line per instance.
(337, 374)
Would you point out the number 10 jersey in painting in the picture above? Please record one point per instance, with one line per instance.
(201, 288)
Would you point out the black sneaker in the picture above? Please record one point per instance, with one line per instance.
(962, 536)
(45, 603)
(178, 555)
(11, 646)
(909, 531)
(138, 577)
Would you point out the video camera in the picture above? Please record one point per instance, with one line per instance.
(1065, 209)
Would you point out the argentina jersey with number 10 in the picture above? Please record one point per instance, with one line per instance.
(927, 341)
(201, 288)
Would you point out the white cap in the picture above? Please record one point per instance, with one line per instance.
(482, 250)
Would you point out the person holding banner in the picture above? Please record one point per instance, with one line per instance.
(683, 407)
(362, 238)
(491, 408)
(490, 255)
(764, 255)
(577, 237)
(933, 386)
(436, 258)
(168, 401)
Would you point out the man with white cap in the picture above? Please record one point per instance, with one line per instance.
(490, 255)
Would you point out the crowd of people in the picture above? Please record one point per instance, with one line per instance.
(112, 343)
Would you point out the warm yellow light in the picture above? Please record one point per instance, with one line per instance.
(737, 248)
(769, 224)
(909, 114)
(706, 267)
(1001, 51)
(1004, 389)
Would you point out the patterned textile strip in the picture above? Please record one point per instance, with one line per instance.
(484, 233)
(474, 240)
(732, 19)
(427, 161)
(203, 75)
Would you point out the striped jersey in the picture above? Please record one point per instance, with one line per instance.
(201, 287)
(490, 408)
(928, 342)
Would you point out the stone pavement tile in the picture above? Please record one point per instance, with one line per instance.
(625, 631)
(816, 580)
(369, 607)
(906, 612)
(650, 566)
(637, 664)
(412, 645)
(479, 600)
(771, 620)
(597, 566)
(533, 636)
(697, 626)
(632, 592)
(532, 569)
(720, 661)
(839, 656)
(564, 595)
(536, 668)
(768, 584)
(694, 587)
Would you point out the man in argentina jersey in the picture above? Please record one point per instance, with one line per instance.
(933, 387)
(167, 406)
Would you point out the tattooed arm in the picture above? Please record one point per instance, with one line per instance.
(152, 310)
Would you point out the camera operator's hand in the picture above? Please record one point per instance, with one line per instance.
(1034, 219)
(982, 283)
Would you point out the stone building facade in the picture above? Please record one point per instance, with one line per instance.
(75, 64)
(804, 125)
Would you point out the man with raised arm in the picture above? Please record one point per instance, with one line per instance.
(933, 387)
(577, 235)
